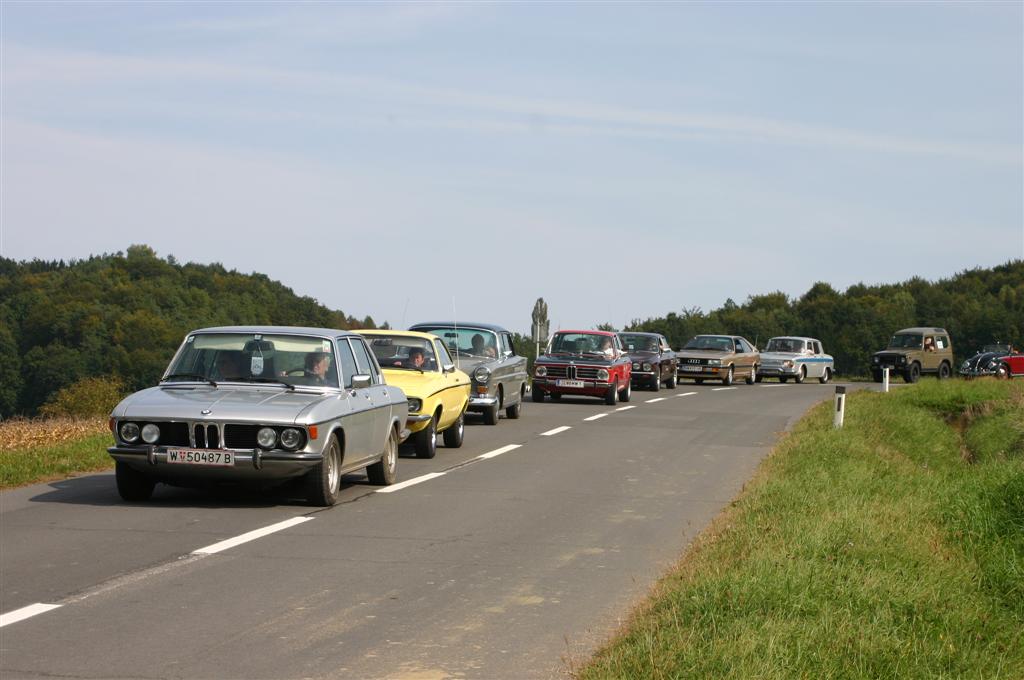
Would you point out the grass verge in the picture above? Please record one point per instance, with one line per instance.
(40, 450)
(891, 548)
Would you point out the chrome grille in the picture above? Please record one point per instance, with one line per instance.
(557, 371)
(586, 372)
(206, 436)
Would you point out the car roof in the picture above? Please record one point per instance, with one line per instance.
(275, 330)
(462, 324)
(586, 331)
(923, 329)
(403, 334)
(792, 337)
(653, 335)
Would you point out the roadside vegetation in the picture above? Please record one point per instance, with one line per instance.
(891, 548)
(39, 449)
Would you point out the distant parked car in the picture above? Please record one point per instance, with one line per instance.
(796, 358)
(987, 361)
(654, 362)
(913, 352)
(1011, 365)
(437, 391)
(487, 354)
(261, 404)
(584, 363)
(718, 357)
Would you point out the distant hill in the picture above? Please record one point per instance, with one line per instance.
(124, 315)
(976, 306)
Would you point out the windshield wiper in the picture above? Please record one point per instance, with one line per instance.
(257, 379)
(190, 376)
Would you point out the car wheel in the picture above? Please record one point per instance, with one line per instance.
(699, 381)
(801, 375)
(515, 410)
(671, 382)
(913, 373)
(453, 435)
(385, 471)
(944, 371)
(877, 376)
(752, 378)
(425, 441)
(626, 392)
(758, 378)
(491, 414)
(783, 378)
(132, 485)
(826, 376)
(611, 397)
(727, 380)
(555, 396)
(1002, 373)
(323, 482)
(656, 383)
(537, 395)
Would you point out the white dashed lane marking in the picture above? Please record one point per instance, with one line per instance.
(651, 401)
(597, 417)
(624, 408)
(25, 613)
(498, 452)
(250, 536)
(410, 482)
(686, 394)
(555, 431)
(720, 389)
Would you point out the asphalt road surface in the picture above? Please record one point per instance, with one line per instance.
(512, 557)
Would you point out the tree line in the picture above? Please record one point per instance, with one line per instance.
(977, 306)
(123, 315)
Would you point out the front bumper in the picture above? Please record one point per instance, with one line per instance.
(254, 464)
(777, 371)
(976, 372)
(644, 377)
(713, 372)
(416, 422)
(590, 389)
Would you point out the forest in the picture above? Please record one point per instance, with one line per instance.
(119, 318)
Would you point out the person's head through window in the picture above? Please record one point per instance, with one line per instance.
(316, 366)
(417, 358)
(482, 348)
(929, 345)
(229, 366)
(607, 346)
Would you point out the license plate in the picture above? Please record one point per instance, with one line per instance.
(200, 457)
(570, 383)
(692, 369)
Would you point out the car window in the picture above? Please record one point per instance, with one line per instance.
(444, 358)
(363, 361)
(817, 348)
(347, 361)
(506, 342)
(941, 342)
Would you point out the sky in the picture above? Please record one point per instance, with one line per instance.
(421, 161)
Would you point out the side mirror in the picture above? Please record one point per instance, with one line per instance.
(360, 381)
(448, 368)
(507, 353)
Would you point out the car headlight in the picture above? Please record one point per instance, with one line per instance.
(647, 366)
(602, 374)
(874, 360)
(415, 405)
(129, 432)
(266, 437)
(714, 362)
(540, 371)
(966, 364)
(150, 433)
(636, 366)
(291, 438)
(482, 374)
(902, 359)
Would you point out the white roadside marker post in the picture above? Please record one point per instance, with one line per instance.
(885, 379)
(837, 420)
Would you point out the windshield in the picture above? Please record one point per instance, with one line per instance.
(403, 352)
(906, 341)
(582, 343)
(466, 342)
(716, 342)
(784, 345)
(639, 343)
(1005, 349)
(255, 358)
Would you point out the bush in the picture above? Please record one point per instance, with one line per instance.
(87, 397)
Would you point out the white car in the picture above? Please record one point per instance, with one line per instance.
(795, 357)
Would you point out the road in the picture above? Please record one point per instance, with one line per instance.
(512, 557)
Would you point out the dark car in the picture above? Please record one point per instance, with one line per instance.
(654, 362)
(987, 361)
(584, 363)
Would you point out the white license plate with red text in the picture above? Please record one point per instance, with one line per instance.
(570, 383)
(201, 457)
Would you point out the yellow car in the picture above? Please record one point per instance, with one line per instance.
(438, 393)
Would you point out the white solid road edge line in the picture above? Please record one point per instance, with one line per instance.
(686, 394)
(498, 452)
(651, 401)
(25, 613)
(409, 482)
(597, 417)
(555, 431)
(250, 536)
(624, 408)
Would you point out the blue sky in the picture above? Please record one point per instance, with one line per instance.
(620, 160)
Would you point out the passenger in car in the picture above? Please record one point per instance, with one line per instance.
(229, 366)
(316, 367)
(481, 348)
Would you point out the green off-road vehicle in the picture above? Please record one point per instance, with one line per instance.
(913, 352)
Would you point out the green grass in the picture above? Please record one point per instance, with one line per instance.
(40, 463)
(891, 548)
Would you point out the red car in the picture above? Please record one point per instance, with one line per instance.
(1010, 366)
(584, 363)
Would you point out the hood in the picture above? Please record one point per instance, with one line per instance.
(781, 356)
(981, 360)
(577, 359)
(642, 354)
(893, 353)
(414, 383)
(264, 404)
(468, 364)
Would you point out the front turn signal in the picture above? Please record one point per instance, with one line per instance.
(312, 431)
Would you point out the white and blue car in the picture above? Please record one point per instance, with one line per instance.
(796, 358)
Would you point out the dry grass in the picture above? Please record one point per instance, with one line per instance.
(24, 433)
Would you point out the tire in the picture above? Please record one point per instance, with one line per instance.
(132, 485)
(626, 392)
(454, 434)
(752, 378)
(491, 414)
(698, 381)
(801, 376)
(425, 441)
(671, 382)
(1002, 372)
(537, 395)
(555, 396)
(826, 376)
(758, 378)
(656, 383)
(876, 376)
(385, 471)
(944, 371)
(515, 410)
(323, 482)
(913, 373)
(611, 397)
(730, 376)
(783, 378)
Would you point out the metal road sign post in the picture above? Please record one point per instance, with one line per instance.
(840, 410)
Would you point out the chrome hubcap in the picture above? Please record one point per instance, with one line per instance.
(333, 476)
